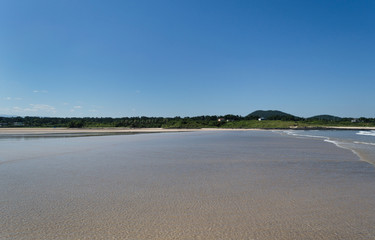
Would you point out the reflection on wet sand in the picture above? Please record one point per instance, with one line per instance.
(197, 185)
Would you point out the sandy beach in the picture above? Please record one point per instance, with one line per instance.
(83, 130)
(45, 131)
(105, 130)
(185, 185)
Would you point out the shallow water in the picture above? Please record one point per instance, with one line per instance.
(362, 143)
(200, 185)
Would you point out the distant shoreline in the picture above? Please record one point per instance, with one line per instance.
(332, 128)
(25, 131)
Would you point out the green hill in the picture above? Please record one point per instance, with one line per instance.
(272, 115)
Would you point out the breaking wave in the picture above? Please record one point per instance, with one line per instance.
(366, 133)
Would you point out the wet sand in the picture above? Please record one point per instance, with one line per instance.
(85, 130)
(191, 185)
(33, 131)
(44, 131)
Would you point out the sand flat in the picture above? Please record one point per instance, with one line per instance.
(108, 130)
(191, 185)
(25, 130)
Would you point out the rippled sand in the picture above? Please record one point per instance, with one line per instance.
(200, 185)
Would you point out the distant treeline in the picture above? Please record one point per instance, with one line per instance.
(127, 122)
(227, 121)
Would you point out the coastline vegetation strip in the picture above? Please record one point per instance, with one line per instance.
(228, 121)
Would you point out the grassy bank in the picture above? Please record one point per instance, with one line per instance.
(278, 124)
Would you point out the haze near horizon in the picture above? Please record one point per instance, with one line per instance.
(186, 58)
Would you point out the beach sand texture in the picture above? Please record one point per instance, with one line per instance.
(191, 185)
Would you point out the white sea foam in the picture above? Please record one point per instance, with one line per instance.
(294, 133)
(336, 143)
(367, 143)
(366, 133)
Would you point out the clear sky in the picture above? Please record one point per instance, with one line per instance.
(186, 58)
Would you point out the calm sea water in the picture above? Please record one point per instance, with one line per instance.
(361, 143)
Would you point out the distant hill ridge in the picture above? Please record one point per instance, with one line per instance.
(269, 114)
(272, 114)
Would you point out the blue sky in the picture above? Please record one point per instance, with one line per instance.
(186, 58)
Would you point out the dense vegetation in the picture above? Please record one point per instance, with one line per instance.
(257, 119)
